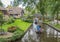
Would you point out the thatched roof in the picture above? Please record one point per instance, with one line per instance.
(14, 10)
(2, 8)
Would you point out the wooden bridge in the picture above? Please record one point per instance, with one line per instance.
(50, 34)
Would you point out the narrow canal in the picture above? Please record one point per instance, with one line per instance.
(49, 35)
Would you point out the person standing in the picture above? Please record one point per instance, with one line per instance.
(35, 26)
(36, 19)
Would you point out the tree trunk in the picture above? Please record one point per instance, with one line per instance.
(1, 29)
(46, 15)
(43, 19)
(52, 17)
(57, 17)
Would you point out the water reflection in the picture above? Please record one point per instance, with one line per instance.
(49, 35)
(31, 36)
(50, 30)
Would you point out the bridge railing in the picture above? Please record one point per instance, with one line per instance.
(50, 34)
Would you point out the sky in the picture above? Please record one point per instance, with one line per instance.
(6, 2)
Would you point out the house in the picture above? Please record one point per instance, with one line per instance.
(3, 10)
(5, 13)
(15, 12)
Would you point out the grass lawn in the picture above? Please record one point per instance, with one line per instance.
(21, 24)
(57, 26)
(47, 21)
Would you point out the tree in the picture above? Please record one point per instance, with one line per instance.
(17, 2)
(9, 6)
(43, 6)
(1, 20)
(1, 4)
(56, 8)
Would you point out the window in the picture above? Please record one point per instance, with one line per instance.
(16, 14)
(11, 14)
(10, 10)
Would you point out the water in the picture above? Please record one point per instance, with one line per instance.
(32, 36)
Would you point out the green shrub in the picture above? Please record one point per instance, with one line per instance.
(17, 34)
(11, 20)
(28, 19)
(59, 18)
(3, 40)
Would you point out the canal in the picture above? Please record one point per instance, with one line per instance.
(50, 34)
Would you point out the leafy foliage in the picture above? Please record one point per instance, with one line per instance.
(27, 18)
(1, 4)
(1, 19)
(10, 20)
